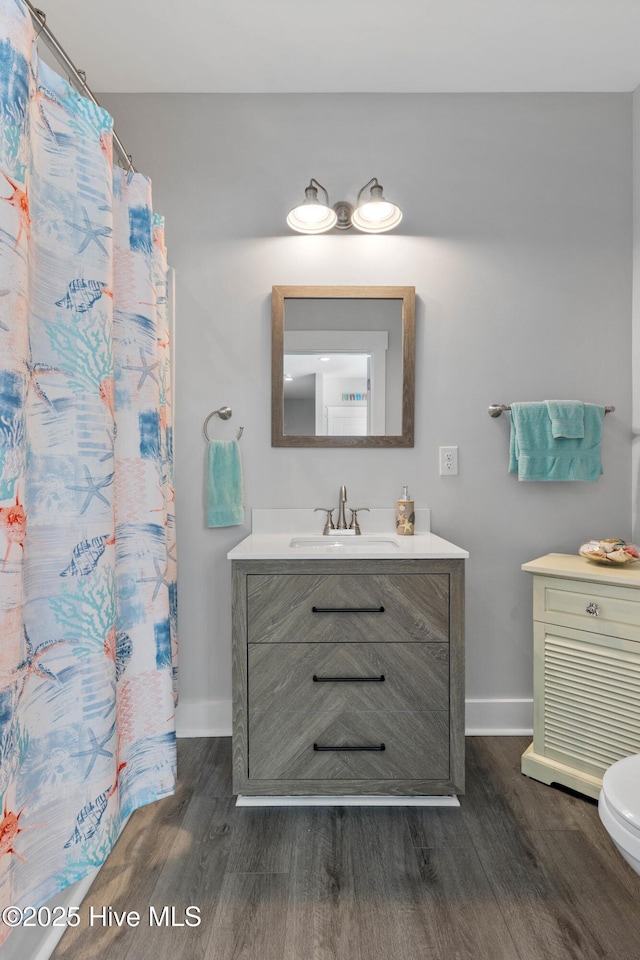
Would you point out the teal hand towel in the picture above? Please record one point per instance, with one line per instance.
(535, 454)
(225, 497)
(567, 418)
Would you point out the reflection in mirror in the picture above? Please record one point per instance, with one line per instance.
(328, 394)
(343, 366)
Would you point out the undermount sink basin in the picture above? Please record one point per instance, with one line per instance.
(347, 543)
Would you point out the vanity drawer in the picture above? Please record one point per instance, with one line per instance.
(416, 677)
(348, 695)
(602, 608)
(294, 608)
(412, 746)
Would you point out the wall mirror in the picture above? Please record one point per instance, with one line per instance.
(342, 366)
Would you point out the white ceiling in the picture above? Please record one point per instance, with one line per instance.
(275, 46)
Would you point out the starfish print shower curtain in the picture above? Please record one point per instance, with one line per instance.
(87, 531)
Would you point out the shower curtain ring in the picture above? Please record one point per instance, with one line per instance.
(127, 167)
(42, 17)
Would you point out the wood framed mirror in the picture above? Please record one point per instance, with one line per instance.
(343, 366)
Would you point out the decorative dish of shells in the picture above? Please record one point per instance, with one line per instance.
(609, 551)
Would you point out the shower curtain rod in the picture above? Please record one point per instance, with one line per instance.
(76, 77)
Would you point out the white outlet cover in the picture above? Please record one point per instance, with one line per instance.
(448, 461)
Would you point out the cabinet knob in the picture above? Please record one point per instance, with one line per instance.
(593, 609)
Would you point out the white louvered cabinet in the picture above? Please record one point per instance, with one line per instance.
(586, 670)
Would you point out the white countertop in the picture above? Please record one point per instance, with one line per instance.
(275, 529)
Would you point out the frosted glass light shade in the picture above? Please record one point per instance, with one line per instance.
(376, 215)
(312, 216)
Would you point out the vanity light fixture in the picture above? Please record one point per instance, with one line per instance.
(312, 216)
(374, 214)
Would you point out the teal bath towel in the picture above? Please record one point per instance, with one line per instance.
(225, 497)
(567, 418)
(535, 454)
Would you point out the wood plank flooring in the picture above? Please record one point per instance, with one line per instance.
(521, 871)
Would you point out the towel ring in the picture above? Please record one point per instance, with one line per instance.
(224, 413)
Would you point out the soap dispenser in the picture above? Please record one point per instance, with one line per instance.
(405, 514)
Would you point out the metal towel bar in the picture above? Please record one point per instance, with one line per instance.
(497, 408)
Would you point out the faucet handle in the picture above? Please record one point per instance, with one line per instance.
(329, 521)
(354, 525)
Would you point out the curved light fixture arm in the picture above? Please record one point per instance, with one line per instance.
(374, 180)
(318, 184)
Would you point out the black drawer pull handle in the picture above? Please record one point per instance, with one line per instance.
(350, 749)
(379, 679)
(347, 609)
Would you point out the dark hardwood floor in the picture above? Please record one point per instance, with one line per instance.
(521, 871)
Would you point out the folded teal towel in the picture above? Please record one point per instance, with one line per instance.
(567, 418)
(225, 496)
(535, 454)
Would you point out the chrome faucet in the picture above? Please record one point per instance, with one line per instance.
(328, 524)
(342, 525)
(354, 525)
(342, 520)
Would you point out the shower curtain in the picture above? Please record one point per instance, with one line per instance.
(87, 531)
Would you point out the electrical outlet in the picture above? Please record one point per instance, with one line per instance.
(448, 461)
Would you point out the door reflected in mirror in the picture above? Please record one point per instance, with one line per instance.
(342, 366)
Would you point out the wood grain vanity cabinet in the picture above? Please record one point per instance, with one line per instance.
(586, 674)
(348, 677)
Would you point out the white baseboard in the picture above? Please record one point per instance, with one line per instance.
(499, 718)
(506, 718)
(203, 718)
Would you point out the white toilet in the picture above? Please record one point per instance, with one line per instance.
(619, 808)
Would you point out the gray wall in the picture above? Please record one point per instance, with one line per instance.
(518, 238)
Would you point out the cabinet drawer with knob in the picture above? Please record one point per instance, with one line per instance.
(607, 609)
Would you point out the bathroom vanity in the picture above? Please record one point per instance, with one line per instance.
(348, 665)
(586, 674)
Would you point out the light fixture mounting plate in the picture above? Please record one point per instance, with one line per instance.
(343, 211)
